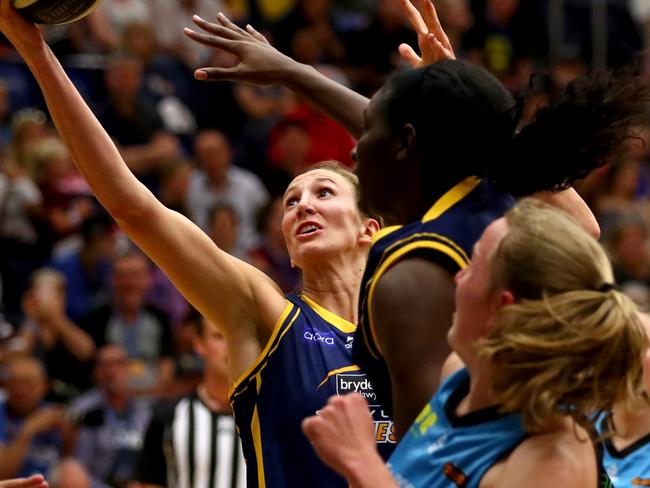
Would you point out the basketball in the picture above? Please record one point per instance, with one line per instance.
(54, 11)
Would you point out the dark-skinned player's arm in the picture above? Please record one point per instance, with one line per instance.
(412, 307)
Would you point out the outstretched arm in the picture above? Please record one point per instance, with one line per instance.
(342, 434)
(36, 481)
(227, 291)
(262, 64)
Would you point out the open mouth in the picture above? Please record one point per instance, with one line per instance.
(307, 228)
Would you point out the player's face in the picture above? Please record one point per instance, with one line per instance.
(321, 217)
(475, 300)
(376, 154)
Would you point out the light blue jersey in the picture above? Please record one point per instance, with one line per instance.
(443, 450)
(629, 467)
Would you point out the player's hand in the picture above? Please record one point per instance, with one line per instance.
(19, 31)
(342, 433)
(258, 62)
(36, 481)
(433, 42)
(43, 420)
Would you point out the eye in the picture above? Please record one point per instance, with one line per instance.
(325, 192)
(290, 202)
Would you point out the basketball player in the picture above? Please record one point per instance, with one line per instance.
(626, 436)
(545, 340)
(438, 159)
(287, 354)
(193, 442)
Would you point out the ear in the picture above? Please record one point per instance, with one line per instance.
(370, 229)
(504, 298)
(197, 343)
(407, 143)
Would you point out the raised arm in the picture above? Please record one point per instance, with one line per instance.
(227, 291)
(262, 64)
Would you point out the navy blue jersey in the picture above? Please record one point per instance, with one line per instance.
(446, 234)
(444, 450)
(628, 467)
(307, 360)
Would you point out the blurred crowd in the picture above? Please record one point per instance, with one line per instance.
(89, 325)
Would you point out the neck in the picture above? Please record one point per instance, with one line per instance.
(214, 391)
(632, 422)
(128, 313)
(479, 395)
(117, 401)
(413, 205)
(335, 286)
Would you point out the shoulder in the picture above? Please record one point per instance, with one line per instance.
(411, 277)
(566, 453)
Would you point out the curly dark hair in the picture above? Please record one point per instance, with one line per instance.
(465, 124)
(580, 129)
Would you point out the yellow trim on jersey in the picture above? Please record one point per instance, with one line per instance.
(276, 330)
(445, 240)
(339, 322)
(452, 197)
(346, 369)
(256, 433)
(439, 246)
(384, 231)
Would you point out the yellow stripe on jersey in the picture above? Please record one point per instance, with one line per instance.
(384, 231)
(453, 196)
(347, 369)
(273, 341)
(256, 432)
(438, 246)
(439, 237)
(338, 322)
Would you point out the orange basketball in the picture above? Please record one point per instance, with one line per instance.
(54, 11)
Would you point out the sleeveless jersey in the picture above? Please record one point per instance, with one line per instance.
(629, 467)
(446, 234)
(307, 360)
(442, 449)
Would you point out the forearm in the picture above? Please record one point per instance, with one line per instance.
(91, 147)
(570, 202)
(370, 473)
(335, 100)
(12, 456)
(75, 340)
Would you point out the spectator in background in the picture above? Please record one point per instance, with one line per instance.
(69, 473)
(20, 203)
(628, 245)
(87, 270)
(371, 51)
(110, 422)
(28, 126)
(271, 255)
(174, 177)
(67, 199)
(128, 321)
(48, 334)
(200, 423)
(169, 19)
(34, 435)
(133, 121)
(216, 180)
(224, 230)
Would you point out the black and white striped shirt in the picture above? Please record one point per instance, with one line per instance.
(188, 445)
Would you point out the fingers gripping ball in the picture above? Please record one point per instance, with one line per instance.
(54, 11)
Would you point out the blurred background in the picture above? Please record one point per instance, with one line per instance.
(84, 312)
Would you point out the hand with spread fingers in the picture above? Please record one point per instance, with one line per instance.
(433, 42)
(36, 481)
(259, 62)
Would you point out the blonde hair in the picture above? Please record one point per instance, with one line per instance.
(568, 345)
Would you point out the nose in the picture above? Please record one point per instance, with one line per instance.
(305, 206)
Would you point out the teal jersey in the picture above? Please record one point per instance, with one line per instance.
(446, 235)
(444, 450)
(628, 467)
(307, 360)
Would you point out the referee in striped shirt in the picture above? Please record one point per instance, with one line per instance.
(193, 443)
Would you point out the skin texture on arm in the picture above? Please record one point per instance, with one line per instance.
(572, 462)
(243, 301)
(571, 203)
(412, 308)
(343, 436)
